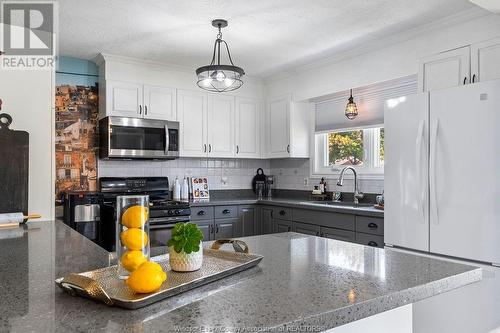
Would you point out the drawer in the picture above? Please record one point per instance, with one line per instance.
(325, 219)
(371, 240)
(370, 225)
(225, 212)
(304, 228)
(282, 213)
(338, 234)
(202, 213)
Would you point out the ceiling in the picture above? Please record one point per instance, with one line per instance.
(264, 36)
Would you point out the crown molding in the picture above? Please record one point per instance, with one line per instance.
(101, 58)
(376, 44)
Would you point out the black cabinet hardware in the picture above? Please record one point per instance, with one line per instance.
(201, 213)
(473, 78)
(372, 243)
(140, 109)
(209, 148)
(205, 148)
(237, 149)
(288, 149)
(226, 211)
(465, 80)
(372, 226)
(282, 212)
(145, 110)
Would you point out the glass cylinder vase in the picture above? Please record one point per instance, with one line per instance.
(132, 232)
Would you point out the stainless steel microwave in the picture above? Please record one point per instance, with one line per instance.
(136, 138)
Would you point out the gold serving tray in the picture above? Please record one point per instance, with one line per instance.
(103, 284)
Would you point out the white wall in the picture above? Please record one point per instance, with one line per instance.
(28, 96)
(390, 58)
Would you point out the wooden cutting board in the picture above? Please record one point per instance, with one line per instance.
(14, 167)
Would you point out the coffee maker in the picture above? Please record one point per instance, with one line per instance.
(269, 186)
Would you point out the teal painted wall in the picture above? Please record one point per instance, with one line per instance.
(74, 71)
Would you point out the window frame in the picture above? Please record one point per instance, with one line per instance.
(371, 168)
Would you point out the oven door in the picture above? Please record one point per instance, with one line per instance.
(140, 138)
(160, 230)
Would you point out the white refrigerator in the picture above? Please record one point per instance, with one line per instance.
(442, 172)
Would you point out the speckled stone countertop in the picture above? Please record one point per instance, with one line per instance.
(303, 281)
(294, 203)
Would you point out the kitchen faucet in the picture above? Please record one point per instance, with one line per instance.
(357, 195)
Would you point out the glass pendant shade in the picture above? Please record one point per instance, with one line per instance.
(351, 110)
(219, 77)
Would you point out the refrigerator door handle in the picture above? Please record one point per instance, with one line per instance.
(433, 172)
(418, 161)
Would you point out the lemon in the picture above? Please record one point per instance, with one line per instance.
(151, 265)
(131, 260)
(134, 239)
(146, 279)
(135, 216)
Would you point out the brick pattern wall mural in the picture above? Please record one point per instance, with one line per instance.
(76, 138)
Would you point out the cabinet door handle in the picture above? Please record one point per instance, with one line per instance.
(211, 228)
(209, 148)
(272, 214)
(372, 226)
(465, 80)
(372, 243)
(226, 211)
(289, 228)
(205, 148)
(473, 78)
(237, 149)
(145, 110)
(317, 233)
(288, 149)
(217, 229)
(201, 213)
(140, 109)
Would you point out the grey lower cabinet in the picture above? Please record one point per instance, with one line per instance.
(249, 220)
(281, 225)
(227, 228)
(308, 229)
(266, 220)
(206, 228)
(338, 234)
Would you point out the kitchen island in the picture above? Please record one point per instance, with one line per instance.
(303, 283)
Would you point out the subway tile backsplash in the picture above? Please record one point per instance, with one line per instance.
(223, 174)
(231, 174)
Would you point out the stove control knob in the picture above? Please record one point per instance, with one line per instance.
(177, 212)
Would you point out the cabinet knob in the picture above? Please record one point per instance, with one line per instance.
(282, 212)
(226, 211)
(372, 243)
(201, 213)
(372, 226)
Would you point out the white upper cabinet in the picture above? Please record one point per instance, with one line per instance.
(123, 99)
(247, 128)
(221, 126)
(192, 112)
(159, 103)
(279, 127)
(127, 99)
(287, 128)
(444, 70)
(485, 64)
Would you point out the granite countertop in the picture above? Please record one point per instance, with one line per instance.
(302, 281)
(294, 203)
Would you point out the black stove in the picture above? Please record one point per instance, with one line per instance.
(163, 211)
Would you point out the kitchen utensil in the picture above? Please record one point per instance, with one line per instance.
(217, 264)
(8, 218)
(14, 167)
(260, 176)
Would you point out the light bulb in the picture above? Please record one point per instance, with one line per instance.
(228, 82)
(220, 76)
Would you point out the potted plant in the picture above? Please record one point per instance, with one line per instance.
(184, 247)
